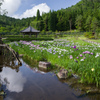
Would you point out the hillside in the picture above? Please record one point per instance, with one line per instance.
(11, 25)
(84, 16)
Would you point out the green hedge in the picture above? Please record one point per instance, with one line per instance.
(16, 36)
(27, 39)
(60, 34)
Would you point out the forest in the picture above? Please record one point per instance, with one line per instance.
(84, 16)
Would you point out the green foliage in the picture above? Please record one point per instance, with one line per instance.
(45, 20)
(34, 24)
(85, 16)
(94, 24)
(12, 25)
(78, 22)
(38, 15)
(88, 23)
(40, 25)
(89, 35)
(52, 21)
(27, 39)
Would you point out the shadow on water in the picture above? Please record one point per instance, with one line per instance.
(27, 82)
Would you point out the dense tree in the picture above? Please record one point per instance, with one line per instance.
(78, 22)
(45, 19)
(52, 21)
(70, 19)
(61, 21)
(88, 23)
(94, 24)
(83, 16)
(40, 25)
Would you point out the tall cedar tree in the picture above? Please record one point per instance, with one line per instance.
(38, 15)
(52, 21)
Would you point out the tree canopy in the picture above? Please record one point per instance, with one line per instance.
(84, 16)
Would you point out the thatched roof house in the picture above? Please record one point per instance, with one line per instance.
(30, 31)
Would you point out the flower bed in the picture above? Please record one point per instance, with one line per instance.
(82, 59)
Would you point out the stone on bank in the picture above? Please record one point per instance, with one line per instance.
(44, 65)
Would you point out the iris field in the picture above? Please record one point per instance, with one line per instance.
(82, 58)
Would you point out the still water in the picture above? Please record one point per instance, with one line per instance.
(29, 83)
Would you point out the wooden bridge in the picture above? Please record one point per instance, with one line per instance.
(13, 52)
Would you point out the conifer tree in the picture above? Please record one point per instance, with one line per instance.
(38, 15)
(94, 24)
(88, 23)
(78, 22)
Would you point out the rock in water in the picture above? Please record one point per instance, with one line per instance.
(44, 65)
(63, 74)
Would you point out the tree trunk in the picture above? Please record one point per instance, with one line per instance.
(70, 24)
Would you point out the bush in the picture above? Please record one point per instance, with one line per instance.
(89, 35)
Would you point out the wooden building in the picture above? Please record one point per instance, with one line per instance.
(30, 31)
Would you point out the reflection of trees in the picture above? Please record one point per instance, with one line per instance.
(1, 98)
(6, 60)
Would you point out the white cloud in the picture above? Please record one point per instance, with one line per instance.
(14, 80)
(43, 7)
(33, 5)
(11, 6)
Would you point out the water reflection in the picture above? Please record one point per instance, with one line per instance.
(11, 79)
(7, 59)
(14, 80)
(8, 98)
(29, 83)
(10, 75)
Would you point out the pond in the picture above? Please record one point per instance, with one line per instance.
(27, 82)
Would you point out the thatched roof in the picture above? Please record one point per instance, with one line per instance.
(30, 30)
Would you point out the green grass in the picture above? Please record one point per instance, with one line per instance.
(97, 40)
(80, 39)
(79, 56)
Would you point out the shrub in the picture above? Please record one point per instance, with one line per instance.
(89, 35)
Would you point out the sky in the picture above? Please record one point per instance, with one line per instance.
(28, 8)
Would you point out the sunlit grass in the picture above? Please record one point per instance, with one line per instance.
(79, 56)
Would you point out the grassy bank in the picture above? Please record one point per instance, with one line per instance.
(82, 58)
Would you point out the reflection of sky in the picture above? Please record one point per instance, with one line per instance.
(14, 80)
(8, 98)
